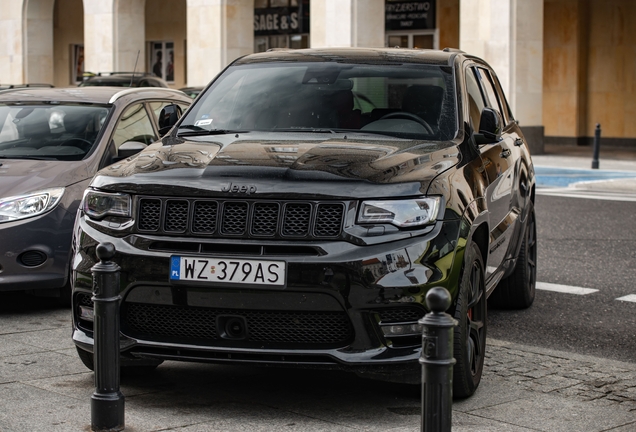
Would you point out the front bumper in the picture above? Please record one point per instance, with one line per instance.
(333, 312)
(34, 252)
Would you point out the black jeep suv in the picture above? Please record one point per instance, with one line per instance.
(301, 209)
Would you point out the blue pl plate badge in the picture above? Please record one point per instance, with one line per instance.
(175, 264)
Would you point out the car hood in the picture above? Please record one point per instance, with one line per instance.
(301, 165)
(22, 176)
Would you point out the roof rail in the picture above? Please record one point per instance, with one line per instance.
(122, 93)
(279, 49)
(125, 73)
(455, 50)
(18, 86)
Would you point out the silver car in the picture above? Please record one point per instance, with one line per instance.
(52, 142)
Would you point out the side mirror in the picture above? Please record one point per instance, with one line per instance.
(168, 118)
(129, 148)
(489, 126)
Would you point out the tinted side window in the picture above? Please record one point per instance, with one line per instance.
(502, 99)
(475, 99)
(157, 106)
(493, 99)
(134, 125)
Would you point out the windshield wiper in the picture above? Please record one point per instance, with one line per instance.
(201, 132)
(305, 130)
(192, 127)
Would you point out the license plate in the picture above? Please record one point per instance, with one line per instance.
(227, 271)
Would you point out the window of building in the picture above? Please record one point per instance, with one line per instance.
(77, 63)
(281, 24)
(161, 59)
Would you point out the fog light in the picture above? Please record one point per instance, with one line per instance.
(86, 313)
(402, 330)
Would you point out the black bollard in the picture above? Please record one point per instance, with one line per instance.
(597, 145)
(437, 362)
(107, 402)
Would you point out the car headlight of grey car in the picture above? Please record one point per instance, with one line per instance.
(33, 204)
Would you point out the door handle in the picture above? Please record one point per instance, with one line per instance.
(505, 153)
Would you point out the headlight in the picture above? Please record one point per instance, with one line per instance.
(33, 204)
(98, 205)
(401, 213)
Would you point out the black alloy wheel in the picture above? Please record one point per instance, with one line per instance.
(517, 291)
(469, 343)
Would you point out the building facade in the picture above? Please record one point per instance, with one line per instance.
(564, 64)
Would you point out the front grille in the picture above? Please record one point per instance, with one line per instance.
(240, 218)
(183, 324)
(396, 315)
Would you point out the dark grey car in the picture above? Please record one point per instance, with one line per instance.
(52, 142)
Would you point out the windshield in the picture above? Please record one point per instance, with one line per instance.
(405, 101)
(49, 132)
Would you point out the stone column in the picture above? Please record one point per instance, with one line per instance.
(11, 43)
(508, 34)
(99, 31)
(346, 23)
(218, 32)
(130, 35)
(38, 53)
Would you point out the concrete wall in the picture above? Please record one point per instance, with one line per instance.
(346, 23)
(590, 70)
(130, 35)
(611, 77)
(11, 42)
(218, 32)
(448, 23)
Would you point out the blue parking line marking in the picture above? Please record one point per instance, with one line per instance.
(563, 177)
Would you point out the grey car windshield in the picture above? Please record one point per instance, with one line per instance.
(403, 100)
(49, 132)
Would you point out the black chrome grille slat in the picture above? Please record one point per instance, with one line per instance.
(297, 218)
(328, 220)
(240, 218)
(176, 218)
(234, 221)
(149, 214)
(205, 216)
(265, 219)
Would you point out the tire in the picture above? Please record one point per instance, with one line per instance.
(469, 338)
(517, 291)
(131, 367)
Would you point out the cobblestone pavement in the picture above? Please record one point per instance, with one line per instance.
(581, 380)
